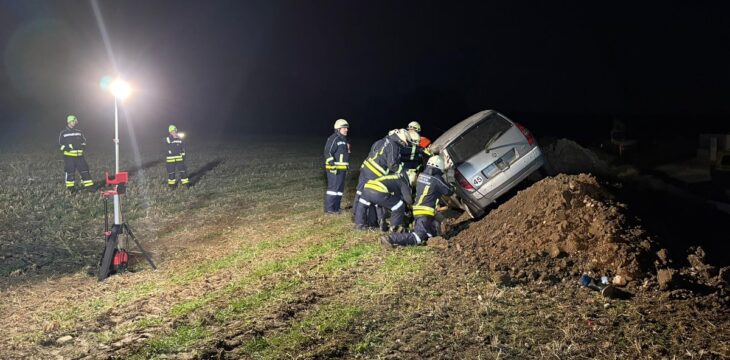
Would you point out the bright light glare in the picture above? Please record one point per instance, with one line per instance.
(120, 89)
(181, 135)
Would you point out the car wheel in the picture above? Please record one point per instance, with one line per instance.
(474, 212)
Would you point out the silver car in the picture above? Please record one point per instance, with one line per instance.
(486, 155)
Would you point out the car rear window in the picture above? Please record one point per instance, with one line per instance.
(474, 140)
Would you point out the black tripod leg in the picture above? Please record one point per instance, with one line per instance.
(109, 248)
(146, 255)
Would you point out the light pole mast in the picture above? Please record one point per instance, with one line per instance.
(117, 212)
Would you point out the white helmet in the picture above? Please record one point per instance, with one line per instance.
(414, 125)
(413, 137)
(436, 162)
(402, 135)
(341, 123)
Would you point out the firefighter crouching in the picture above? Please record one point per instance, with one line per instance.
(175, 161)
(430, 186)
(73, 143)
(391, 192)
(337, 161)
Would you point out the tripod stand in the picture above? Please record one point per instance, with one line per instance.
(114, 257)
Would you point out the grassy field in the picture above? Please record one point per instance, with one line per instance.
(250, 267)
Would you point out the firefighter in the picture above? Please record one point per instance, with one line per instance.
(337, 162)
(175, 158)
(383, 159)
(73, 143)
(391, 192)
(412, 154)
(430, 186)
(415, 126)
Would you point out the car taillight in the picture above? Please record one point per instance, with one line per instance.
(462, 181)
(527, 133)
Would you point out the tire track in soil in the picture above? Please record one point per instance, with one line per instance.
(40, 318)
(256, 278)
(369, 290)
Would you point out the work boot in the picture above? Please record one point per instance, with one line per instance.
(383, 225)
(397, 229)
(385, 241)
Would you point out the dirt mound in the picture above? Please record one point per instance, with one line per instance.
(568, 157)
(558, 228)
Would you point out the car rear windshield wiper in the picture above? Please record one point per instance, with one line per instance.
(492, 140)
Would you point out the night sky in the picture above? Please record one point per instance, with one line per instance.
(293, 67)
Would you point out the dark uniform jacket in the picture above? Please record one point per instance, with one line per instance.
(429, 188)
(395, 185)
(337, 152)
(175, 149)
(384, 157)
(72, 142)
(412, 156)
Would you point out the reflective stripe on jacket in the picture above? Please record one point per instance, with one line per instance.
(337, 152)
(396, 185)
(430, 186)
(72, 142)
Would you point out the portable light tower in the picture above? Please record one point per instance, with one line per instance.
(121, 90)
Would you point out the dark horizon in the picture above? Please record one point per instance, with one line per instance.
(230, 68)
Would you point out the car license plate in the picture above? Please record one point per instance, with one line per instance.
(501, 164)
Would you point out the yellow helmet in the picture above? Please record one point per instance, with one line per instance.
(341, 123)
(171, 128)
(70, 119)
(414, 125)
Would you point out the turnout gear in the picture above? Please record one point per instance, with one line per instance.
(337, 162)
(429, 188)
(414, 125)
(383, 159)
(175, 160)
(341, 123)
(392, 192)
(72, 144)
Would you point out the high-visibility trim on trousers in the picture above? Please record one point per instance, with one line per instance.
(423, 210)
(397, 206)
(74, 153)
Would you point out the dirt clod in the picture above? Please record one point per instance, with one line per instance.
(666, 278)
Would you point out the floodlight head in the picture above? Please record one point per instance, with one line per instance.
(120, 89)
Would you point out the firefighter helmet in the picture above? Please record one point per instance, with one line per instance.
(414, 125)
(413, 137)
(436, 162)
(341, 123)
(70, 119)
(171, 128)
(402, 135)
